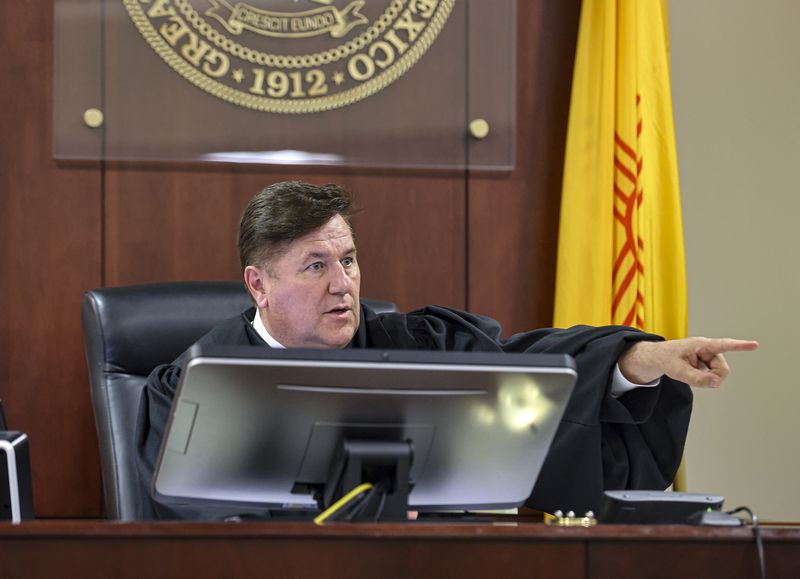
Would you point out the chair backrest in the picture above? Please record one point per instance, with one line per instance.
(128, 331)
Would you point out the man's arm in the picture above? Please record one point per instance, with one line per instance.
(699, 362)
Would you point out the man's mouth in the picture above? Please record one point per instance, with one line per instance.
(339, 311)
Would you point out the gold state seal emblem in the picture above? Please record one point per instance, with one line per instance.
(290, 56)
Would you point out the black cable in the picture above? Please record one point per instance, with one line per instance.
(757, 535)
(360, 506)
(379, 511)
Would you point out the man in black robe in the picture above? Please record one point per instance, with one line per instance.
(625, 424)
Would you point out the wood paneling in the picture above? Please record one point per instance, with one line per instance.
(196, 550)
(166, 225)
(485, 241)
(366, 551)
(730, 560)
(410, 235)
(50, 224)
(513, 220)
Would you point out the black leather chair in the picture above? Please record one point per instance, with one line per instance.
(128, 331)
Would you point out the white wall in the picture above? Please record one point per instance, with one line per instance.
(736, 94)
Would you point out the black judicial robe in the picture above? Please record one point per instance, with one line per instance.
(634, 441)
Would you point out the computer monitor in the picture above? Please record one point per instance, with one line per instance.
(259, 429)
(16, 490)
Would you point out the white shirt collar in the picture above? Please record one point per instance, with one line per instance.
(261, 330)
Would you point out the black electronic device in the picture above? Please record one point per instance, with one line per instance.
(16, 494)
(655, 507)
(714, 518)
(255, 429)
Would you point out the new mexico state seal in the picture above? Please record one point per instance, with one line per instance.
(290, 56)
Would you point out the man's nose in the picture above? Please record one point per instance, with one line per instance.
(340, 282)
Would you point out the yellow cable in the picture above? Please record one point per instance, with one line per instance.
(360, 489)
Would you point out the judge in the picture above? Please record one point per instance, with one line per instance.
(624, 427)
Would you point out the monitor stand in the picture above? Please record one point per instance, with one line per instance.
(384, 464)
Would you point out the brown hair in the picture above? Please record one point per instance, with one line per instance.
(285, 211)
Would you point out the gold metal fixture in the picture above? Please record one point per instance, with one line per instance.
(479, 128)
(93, 118)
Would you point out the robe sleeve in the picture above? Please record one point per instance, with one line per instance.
(154, 409)
(155, 406)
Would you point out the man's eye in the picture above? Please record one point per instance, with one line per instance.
(348, 261)
(317, 266)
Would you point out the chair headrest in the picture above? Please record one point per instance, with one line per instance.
(142, 326)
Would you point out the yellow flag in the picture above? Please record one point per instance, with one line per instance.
(620, 252)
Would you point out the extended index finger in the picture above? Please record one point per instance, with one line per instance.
(722, 345)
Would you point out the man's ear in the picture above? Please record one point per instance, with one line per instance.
(257, 283)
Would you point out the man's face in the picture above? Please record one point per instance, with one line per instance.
(308, 295)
